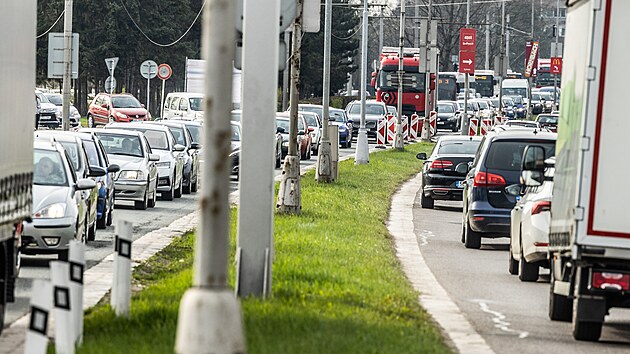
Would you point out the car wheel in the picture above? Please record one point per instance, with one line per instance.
(91, 235)
(472, 239)
(102, 222)
(63, 255)
(153, 199)
(560, 307)
(110, 215)
(527, 271)
(170, 195)
(142, 204)
(195, 184)
(316, 150)
(512, 263)
(90, 121)
(178, 190)
(187, 187)
(426, 202)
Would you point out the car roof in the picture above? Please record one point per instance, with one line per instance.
(146, 125)
(186, 94)
(46, 144)
(527, 133)
(460, 138)
(58, 135)
(115, 131)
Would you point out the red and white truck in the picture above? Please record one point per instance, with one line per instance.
(589, 239)
(17, 121)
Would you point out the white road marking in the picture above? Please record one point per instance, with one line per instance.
(424, 236)
(500, 322)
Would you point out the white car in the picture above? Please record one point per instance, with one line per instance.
(529, 232)
(313, 120)
(171, 163)
(183, 105)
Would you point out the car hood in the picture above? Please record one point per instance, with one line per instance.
(48, 106)
(127, 163)
(165, 155)
(44, 196)
(372, 117)
(131, 111)
(445, 115)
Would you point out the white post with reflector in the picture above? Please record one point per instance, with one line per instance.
(76, 260)
(333, 134)
(62, 302)
(121, 286)
(41, 303)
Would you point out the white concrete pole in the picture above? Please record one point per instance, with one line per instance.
(426, 129)
(148, 86)
(487, 63)
(398, 139)
(121, 287)
(324, 168)
(67, 64)
(209, 313)
(162, 100)
(41, 303)
(257, 160)
(502, 62)
(290, 191)
(362, 155)
(416, 29)
(507, 40)
(380, 32)
(62, 302)
(76, 259)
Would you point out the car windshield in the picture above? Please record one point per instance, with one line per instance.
(73, 151)
(462, 147)
(546, 96)
(535, 97)
(236, 132)
(125, 102)
(318, 110)
(49, 168)
(55, 98)
(336, 116)
(517, 99)
(92, 153)
(508, 154)
(42, 97)
(116, 144)
(516, 91)
(508, 102)
(375, 109)
(445, 108)
(546, 119)
(157, 139)
(311, 120)
(196, 104)
(391, 109)
(495, 102)
(522, 124)
(195, 132)
(178, 133)
(283, 123)
(482, 105)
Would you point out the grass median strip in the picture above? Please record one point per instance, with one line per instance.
(337, 285)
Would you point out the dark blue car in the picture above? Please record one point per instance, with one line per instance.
(497, 164)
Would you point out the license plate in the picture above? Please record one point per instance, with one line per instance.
(440, 123)
(459, 184)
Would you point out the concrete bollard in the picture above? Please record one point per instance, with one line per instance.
(62, 302)
(41, 303)
(121, 287)
(333, 133)
(77, 267)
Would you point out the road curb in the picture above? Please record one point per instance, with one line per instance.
(433, 297)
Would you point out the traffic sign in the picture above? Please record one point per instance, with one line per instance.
(164, 71)
(148, 69)
(111, 64)
(467, 39)
(110, 84)
(466, 62)
(531, 55)
(288, 12)
(556, 65)
(56, 41)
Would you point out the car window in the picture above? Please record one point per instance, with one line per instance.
(195, 133)
(157, 139)
(55, 98)
(478, 153)
(178, 134)
(175, 103)
(49, 168)
(445, 108)
(102, 153)
(311, 120)
(125, 102)
(146, 145)
(98, 101)
(196, 104)
(106, 100)
(92, 153)
(318, 110)
(116, 144)
(283, 123)
(336, 116)
(72, 149)
(236, 116)
(183, 104)
(546, 119)
(168, 102)
(508, 154)
(458, 147)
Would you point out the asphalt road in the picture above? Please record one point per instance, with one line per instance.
(510, 315)
(145, 221)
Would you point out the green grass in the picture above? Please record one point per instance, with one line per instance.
(83, 122)
(337, 285)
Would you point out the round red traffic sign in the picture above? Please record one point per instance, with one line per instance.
(164, 71)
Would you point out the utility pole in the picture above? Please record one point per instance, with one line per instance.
(398, 140)
(416, 29)
(290, 192)
(209, 313)
(531, 75)
(465, 119)
(67, 64)
(324, 162)
(380, 32)
(502, 64)
(258, 123)
(285, 72)
(557, 54)
(487, 66)
(426, 126)
(507, 39)
(362, 155)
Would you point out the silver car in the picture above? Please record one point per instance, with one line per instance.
(59, 209)
(137, 179)
(171, 164)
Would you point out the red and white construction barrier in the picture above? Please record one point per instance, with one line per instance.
(413, 129)
(498, 120)
(472, 126)
(391, 129)
(433, 122)
(405, 128)
(381, 131)
(486, 125)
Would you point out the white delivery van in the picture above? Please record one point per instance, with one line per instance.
(183, 105)
(589, 240)
(519, 87)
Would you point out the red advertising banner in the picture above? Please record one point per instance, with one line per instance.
(531, 57)
(467, 62)
(467, 48)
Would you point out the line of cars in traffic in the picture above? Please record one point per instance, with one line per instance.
(80, 175)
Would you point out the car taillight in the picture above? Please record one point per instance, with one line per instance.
(440, 164)
(484, 179)
(610, 281)
(541, 206)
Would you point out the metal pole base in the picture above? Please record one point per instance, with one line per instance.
(323, 174)
(362, 155)
(209, 320)
(289, 196)
(399, 143)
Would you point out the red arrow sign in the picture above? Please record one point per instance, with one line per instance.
(467, 39)
(556, 65)
(467, 62)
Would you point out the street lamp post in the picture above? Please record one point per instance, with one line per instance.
(362, 151)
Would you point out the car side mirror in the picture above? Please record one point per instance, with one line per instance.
(154, 157)
(85, 184)
(421, 156)
(96, 171)
(195, 146)
(280, 130)
(105, 105)
(113, 168)
(301, 132)
(179, 147)
(533, 158)
(462, 168)
(311, 129)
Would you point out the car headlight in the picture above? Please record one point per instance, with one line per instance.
(121, 115)
(53, 211)
(166, 164)
(135, 175)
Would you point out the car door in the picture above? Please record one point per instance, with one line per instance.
(167, 108)
(151, 165)
(174, 107)
(183, 107)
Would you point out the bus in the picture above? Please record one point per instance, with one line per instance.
(447, 86)
(484, 82)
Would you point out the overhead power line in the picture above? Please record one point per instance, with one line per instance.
(161, 44)
(53, 25)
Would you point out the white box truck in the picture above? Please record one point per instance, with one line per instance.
(17, 121)
(589, 239)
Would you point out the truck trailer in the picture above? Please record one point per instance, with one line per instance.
(17, 69)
